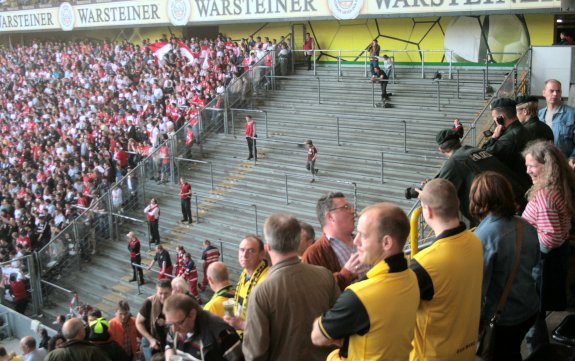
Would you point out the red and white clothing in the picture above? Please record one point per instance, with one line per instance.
(152, 212)
(547, 212)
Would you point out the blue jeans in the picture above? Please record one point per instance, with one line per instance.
(146, 350)
(372, 64)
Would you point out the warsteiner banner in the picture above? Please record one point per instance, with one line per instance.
(116, 14)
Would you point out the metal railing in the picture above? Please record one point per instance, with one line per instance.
(362, 56)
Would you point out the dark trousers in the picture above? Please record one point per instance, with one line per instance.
(508, 340)
(186, 209)
(252, 147)
(21, 305)
(154, 231)
(137, 270)
(308, 59)
(383, 89)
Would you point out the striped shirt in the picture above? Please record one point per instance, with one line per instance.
(548, 213)
(342, 251)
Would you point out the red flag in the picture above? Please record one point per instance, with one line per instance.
(160, 48)
(186, 51)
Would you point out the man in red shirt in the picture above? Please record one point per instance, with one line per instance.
(186, 200)
(250, 137)
(210, 255)
(308, 46)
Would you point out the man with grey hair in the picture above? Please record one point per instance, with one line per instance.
(561, 119)
(278, 327)
(76, 348)
(29, 350)
(334, 250)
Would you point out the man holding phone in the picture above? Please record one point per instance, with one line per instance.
(509, 137)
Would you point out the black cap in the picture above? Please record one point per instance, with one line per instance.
(523, 99)
(446, 135)
(503, 103)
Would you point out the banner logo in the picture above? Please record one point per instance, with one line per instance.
(66, 16)
(345, 9)
(179, 12)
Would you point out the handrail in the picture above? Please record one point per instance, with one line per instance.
(363, 53)
(57, 287)
(232, 110)
(414, 234)
(200, 162)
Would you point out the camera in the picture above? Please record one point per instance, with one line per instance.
(411, 193)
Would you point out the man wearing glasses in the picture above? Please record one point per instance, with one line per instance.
(196, 334)
(335, 250)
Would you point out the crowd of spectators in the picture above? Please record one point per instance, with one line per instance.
(76, 116)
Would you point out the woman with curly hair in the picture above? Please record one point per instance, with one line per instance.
(550, 211)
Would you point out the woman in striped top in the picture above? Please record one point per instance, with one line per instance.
(550, 210)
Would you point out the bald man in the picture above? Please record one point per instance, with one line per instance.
(76, 348)
(219, 281)
(29, 350)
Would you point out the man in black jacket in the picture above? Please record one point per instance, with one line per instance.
(509, 137)
(527, 115)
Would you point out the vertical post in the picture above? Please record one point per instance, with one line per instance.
(273, 70)
(212, 174)
(233, 122)
(382, 181)
(142, 180)
(255, 150)
(338, 71)
(256, 217)
(484, 85)
(226, 126)
(514, 82)
(197, 208)
(365, 65)
(266, 120)
(373, 93)
(172, 149)
(314, 65)
(404, 136)
(422, 64)
(76, 243)
(221, 249)
(487, 71)
(34, 282)
(339, 63)
(318, 90)
(438, 94)
(337, 129)
(458, 97)
(110, 217)
(286, 188)
(473, 134)
(354, 195)
(451, 64)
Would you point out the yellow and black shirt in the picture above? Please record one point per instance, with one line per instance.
(450, 275)
(376, 316)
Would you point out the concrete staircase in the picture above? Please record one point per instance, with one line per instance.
(245, 193)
